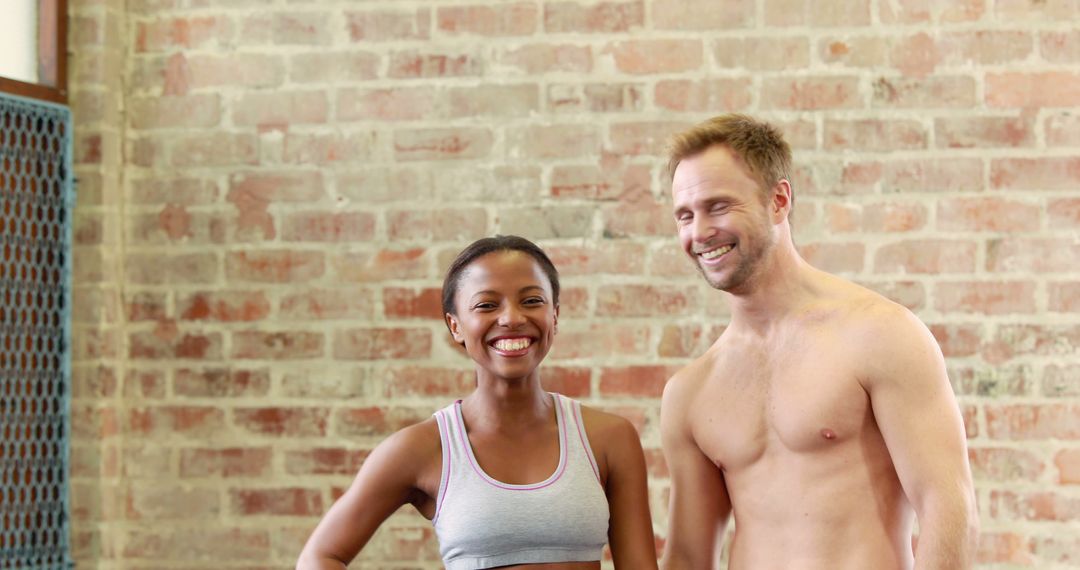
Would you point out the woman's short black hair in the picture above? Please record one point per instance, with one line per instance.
(488, 245)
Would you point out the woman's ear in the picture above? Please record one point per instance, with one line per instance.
(455, 328)
(555, 321)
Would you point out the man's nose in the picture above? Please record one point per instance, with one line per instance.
(701, 230)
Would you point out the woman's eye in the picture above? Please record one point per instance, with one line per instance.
(484, 306)
(534, 301)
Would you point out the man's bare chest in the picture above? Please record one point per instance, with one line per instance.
(752, 403)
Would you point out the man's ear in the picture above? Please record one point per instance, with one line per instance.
(780, 200)
(455, 328)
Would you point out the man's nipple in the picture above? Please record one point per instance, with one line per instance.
(828, 434)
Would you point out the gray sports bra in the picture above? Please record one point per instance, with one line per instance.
(484, 523)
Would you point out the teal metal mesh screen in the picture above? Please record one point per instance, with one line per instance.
(35, 210)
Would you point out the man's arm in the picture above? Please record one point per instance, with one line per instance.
(920, 421)
(699, 503)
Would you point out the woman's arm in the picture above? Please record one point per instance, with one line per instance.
(386, 481)
(617, 446)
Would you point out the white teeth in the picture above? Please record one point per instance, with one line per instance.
(716, 252)
(512, 344)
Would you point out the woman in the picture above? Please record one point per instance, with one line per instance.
(511, 476)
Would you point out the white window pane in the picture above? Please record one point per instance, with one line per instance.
(18, 40)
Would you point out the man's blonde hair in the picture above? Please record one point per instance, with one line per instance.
(760, 145)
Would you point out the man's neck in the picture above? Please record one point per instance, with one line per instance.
(780, 287)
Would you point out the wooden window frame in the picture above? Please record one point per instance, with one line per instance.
(52, 56)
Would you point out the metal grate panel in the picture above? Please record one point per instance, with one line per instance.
(36, 198)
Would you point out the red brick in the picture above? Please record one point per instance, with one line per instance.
(442, 143)
(189, 421)
(327, 304)
(388, 104)
(290, 501)
(1016, 89)
(408, 381)
(404, 303)
(152, 346)
(1051, 173)
(817, 13)
(681, 340)
(985, 298)
(574, 382)
(326, 67)
(992, 381)
(377, 343)
(988, 214)
(225, 544)
(225, 462)
(1062, 129)
(835, 257)
(325, 461)
(169, 502)
(1060, 47)
(190, 111)
(518, 19)
(1004, 548)
(856, 52)
(935, 92)
(300, 28)
(555, 141)
(185, 33)
(336, 227)
(646, 300)
(381, 185)
(643, 138)
(440, 225)
(985, 47)
(984, 132)
(215, 149)
(1033, 422)
(810, 93)
(596, 18)
(281, 108)
(637, 215)
(1064, 296)
(382, 265)
(328, 148)
(283, 345)
(377, 421)
(145, 384)
(574, 302)
(760, 53)
(614, 339)
(221, 383)
(712, 95)
(547, 222)
(592, 182)
(231, 70)
(288, 422)
(615, 257)
(1031, 340)
(866, 135)
(492, 101)
(413, 64)
(541, 58)
(1068, 464)
(926, 256)
(893, 217)
(93, 382)
(916, 55)
(1033, 506)
(172, 268)
(647, 57)
(971, 421)
(389, 25)
(1031, 255)
(1057, 549)
(224, 306)
(635, 381)
(703, 15)
(275, 266)
(159, 191)
(924, 11)
(924, 175)
(603, 98)
(145, 306)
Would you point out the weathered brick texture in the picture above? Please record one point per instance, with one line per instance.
(269, 192)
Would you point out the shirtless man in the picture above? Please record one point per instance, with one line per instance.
(822, 418)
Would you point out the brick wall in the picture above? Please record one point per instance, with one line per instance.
(269, 191)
